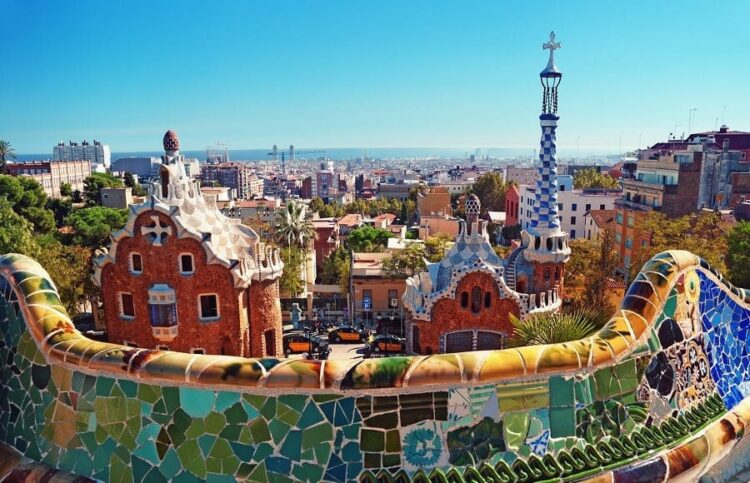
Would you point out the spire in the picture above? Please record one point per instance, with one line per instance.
(544, 239)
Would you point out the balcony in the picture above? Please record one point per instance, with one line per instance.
(634, 205)
(164, 334)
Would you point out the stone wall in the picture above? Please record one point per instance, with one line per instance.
(161, 263)
(264, 312)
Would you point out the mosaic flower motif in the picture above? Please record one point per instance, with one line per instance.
(422, 447)
(692, 286)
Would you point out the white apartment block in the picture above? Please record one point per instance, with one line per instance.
(572, 205)
(97, 153)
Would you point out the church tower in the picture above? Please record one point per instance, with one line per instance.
(545, 245)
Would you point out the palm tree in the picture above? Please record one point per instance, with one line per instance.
(295, 231)
(293, 228)
(6, 152)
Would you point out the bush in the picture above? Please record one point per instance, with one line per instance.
(557, 327)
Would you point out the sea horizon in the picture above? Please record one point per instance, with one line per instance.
(344, 154)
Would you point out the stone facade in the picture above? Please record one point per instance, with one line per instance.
(161, 264)
(463, 312)
(182, 276)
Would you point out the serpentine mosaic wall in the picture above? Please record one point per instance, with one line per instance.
(661, 392)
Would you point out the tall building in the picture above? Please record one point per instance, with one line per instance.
(97, 153)
(240, 176)
(182, 276)
(465, 301)
(53, 174)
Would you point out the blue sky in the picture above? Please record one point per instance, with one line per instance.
(365, 73)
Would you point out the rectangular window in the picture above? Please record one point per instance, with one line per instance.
(572, 220)
(601, 207)
(575, 207)
(644, 243)
(619, 218)
(392, 299)
(186, 264)
(209, 307)
(588, 206)
(127, 307)
(136, 263)
(163, 315)
(197, 350)
(560, 206)
(367, 299)
(631, 221)
(618, 238)
(572, 234)
(628, 242)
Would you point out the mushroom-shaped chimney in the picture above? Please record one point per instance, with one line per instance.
(171, 141)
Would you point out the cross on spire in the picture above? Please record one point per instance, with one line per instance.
(552, 46)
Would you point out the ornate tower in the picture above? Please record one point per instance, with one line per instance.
(545, 244)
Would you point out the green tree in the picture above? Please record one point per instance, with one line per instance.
(368, 239)
(404, 218)
(70, 269)
(591, 264)
(28, 199)
(491, 191)
(129, 180)
(60, 208)
(436, 247)
(591, 178)
(6, 153)
(92, 187)
(15, 232)
(291, 278)
(512, 232)
(700, 233)
(738, 254)
(405, 263)
(92, 226)
(335, 269)
(316, 204)
(66, 190)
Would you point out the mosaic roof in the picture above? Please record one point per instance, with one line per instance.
(225, 240)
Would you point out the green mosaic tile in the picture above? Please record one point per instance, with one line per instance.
(515, 427)
(562, 422)
(268, 410)
(196, 402)
(393, 441)
(561, 391)
(149, 393)
(372, 440)
(316, 435)
(278, 429)
(294, 401)
(310, 415)
(292, 446)
(191, 458)
(259, 431)
(215, 422)
(226, 400)
(235, 414)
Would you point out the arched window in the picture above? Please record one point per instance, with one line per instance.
(464, 299)
(476, 300)
(487, 300)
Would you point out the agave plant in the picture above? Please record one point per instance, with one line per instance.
(559, 327)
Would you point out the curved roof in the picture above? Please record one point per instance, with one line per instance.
(226, 242)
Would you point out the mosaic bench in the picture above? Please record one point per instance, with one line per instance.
(661, 392)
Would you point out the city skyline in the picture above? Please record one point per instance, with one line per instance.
(341, 75)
